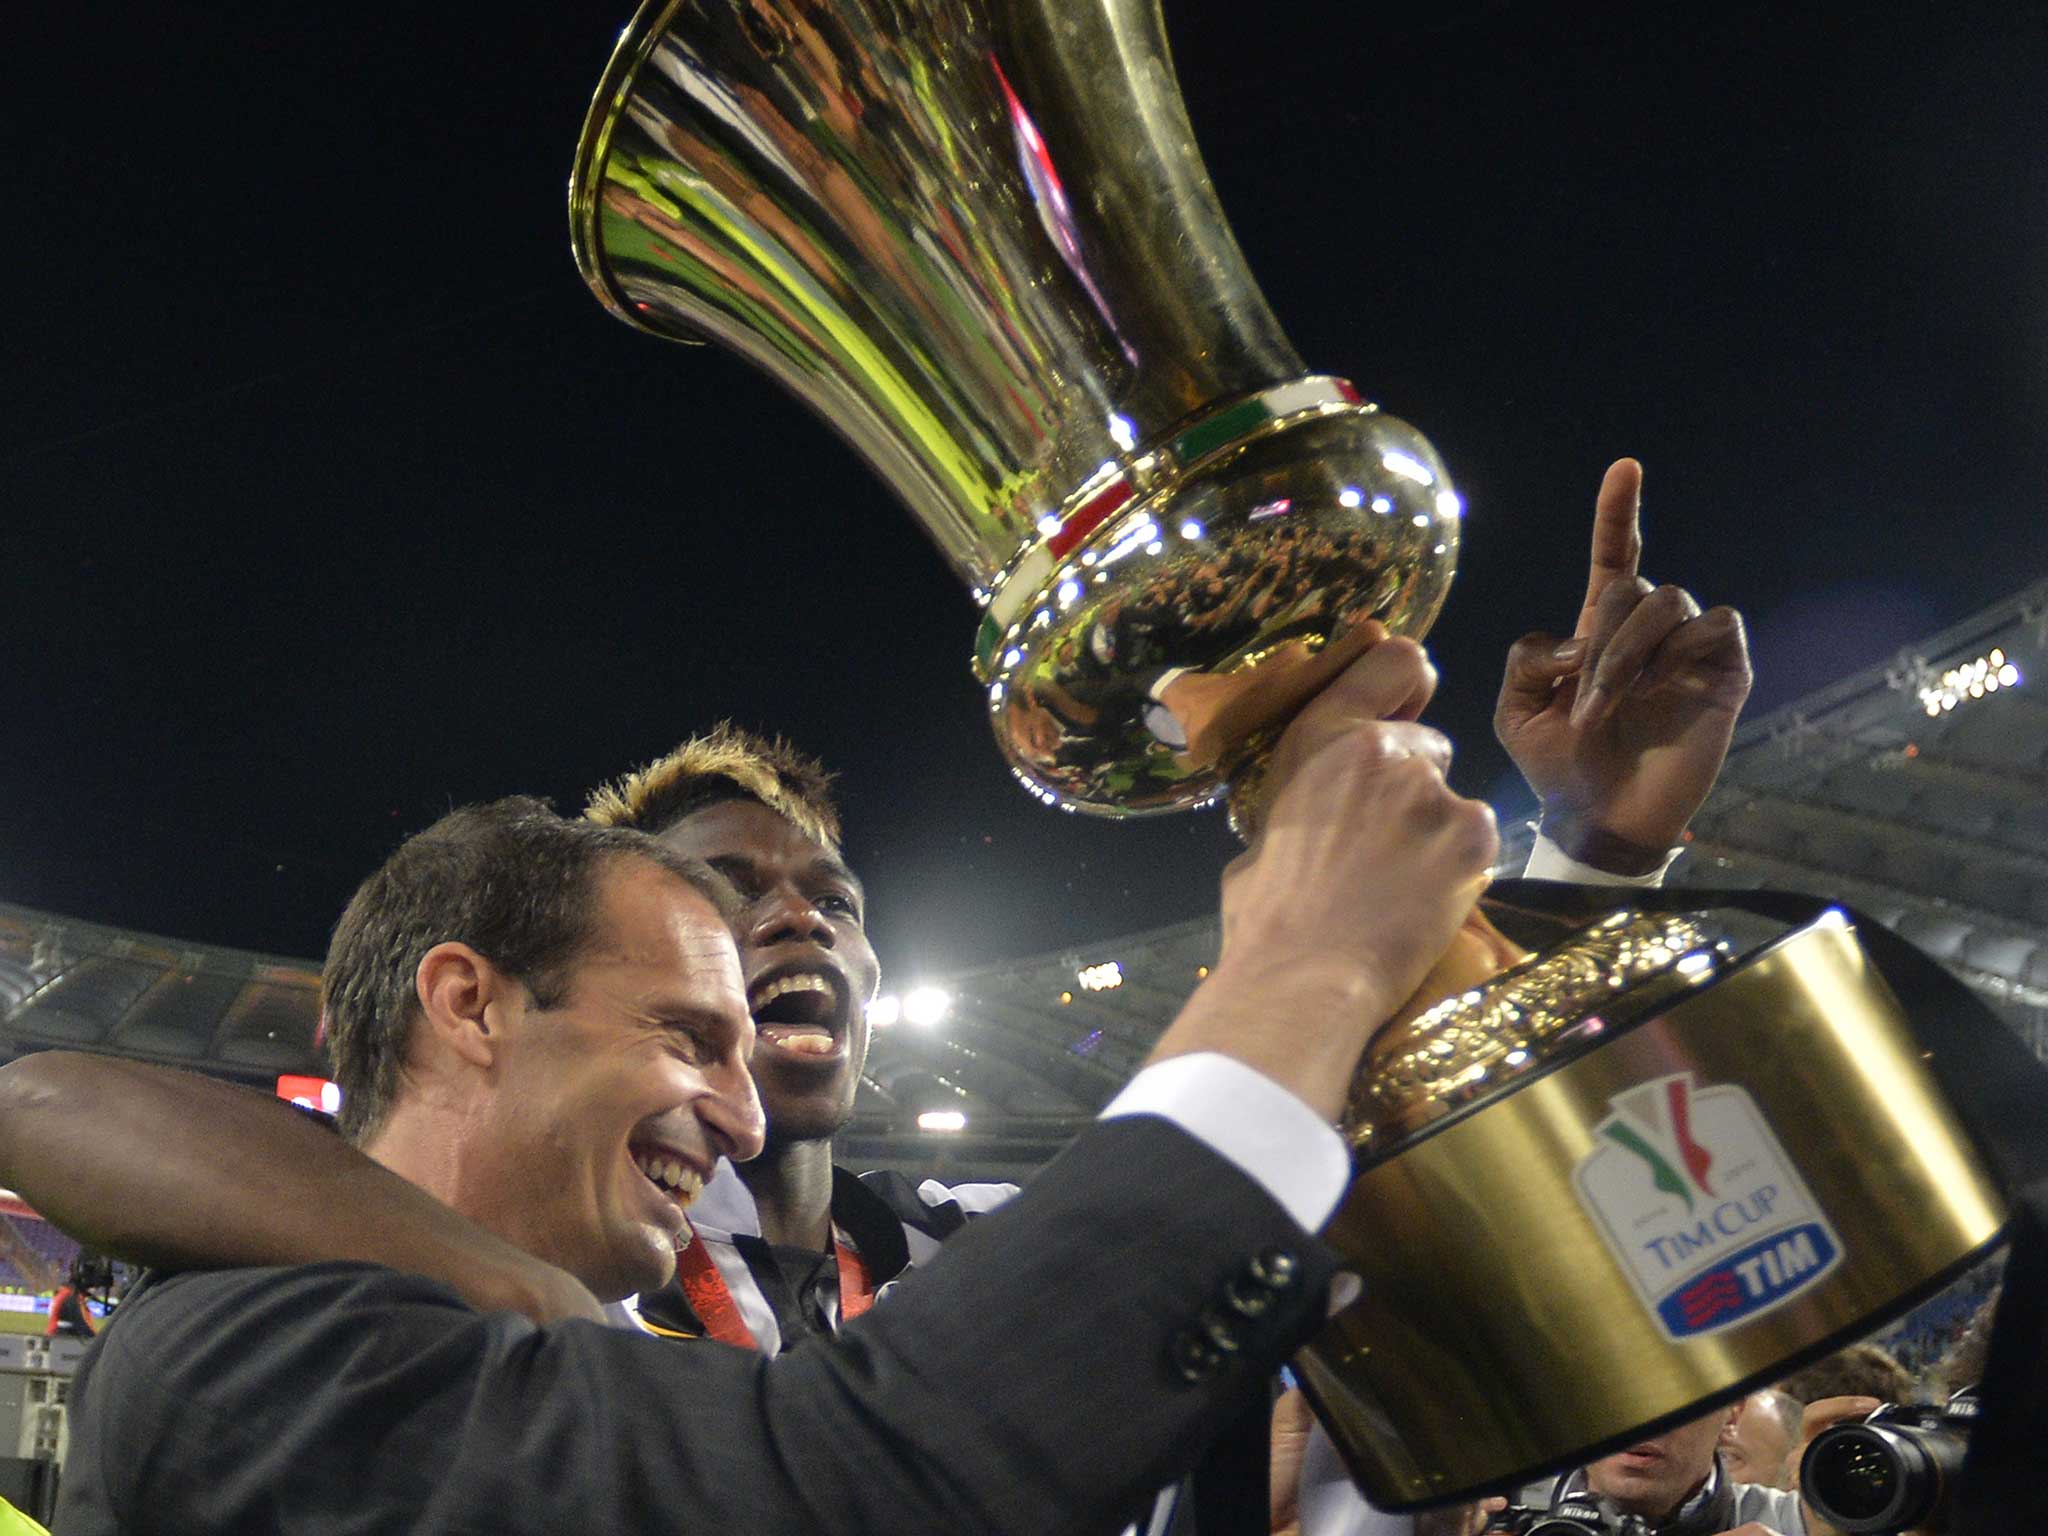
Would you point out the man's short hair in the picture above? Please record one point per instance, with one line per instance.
(514, 881)
(1861, 1370)
(726, 763)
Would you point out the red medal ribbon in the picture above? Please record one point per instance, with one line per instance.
(705, 1289)
(712, 1300)
(856, 1289)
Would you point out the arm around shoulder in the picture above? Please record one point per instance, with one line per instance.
(1059, 1360)
(174, 1170)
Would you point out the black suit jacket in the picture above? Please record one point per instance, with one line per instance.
(1058, 1360)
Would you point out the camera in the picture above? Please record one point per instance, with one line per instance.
(92, 1271)
(1892, 1471)
(1574, 1515)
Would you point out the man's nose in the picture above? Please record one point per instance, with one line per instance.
(732, 1114)
(787, 916)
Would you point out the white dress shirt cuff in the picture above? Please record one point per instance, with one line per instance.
(1547, 861)
(1292, 1151)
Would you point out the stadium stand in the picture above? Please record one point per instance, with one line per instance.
(1916, 790)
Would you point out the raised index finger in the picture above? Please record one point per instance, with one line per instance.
(1617, 536)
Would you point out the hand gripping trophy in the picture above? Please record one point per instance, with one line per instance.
(975, 236)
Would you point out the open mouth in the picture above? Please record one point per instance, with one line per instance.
(800, 1012)
(675, 1179)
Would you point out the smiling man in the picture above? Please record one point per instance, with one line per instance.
(589, 990)
(545, 1025)
(788, 1244)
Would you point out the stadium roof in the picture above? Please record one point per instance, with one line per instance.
(1917, 791)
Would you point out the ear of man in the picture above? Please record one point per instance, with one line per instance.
(466, 1003)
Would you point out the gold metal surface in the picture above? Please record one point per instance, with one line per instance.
(1519, 1022)
(979, 241)
(1499, 1331)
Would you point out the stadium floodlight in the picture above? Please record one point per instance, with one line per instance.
(1101, 978)
(942, 1120)
(925, 1006)
(884, 1011)
(1973, 680)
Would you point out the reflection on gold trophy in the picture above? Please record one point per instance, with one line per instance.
(978, 240)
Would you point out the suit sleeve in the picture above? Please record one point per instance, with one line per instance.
(1058, 1361)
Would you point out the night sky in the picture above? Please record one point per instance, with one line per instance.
(329, 498)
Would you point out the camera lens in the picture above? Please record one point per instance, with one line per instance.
(1882, 1477)
(1857, 1476)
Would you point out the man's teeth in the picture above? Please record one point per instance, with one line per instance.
(804, 1042)
(801, 981)
(679, 1179)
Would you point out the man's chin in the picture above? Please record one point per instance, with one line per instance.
(794, 1118)
(1638, 1492)
(647, 1266)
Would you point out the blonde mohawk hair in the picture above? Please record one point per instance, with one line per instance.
(726, 763)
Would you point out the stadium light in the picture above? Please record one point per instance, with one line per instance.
(884, 1011)
(942, 1120)
(1973, 680)
(1101, 978)
(925, 1006)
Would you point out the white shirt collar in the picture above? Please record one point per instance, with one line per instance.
(725, 1208)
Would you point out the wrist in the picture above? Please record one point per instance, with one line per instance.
(1302, 1025)
(1303, 985)
(1587, 842)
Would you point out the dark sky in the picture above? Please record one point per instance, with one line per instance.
(330, 498)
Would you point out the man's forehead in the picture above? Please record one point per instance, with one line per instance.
(746, 832)
(822, 864)
(653, 916)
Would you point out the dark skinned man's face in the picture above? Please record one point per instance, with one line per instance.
(809, 969)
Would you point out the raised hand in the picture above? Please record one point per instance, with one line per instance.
(1621, 728)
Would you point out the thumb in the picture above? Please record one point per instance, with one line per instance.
(1536, 664)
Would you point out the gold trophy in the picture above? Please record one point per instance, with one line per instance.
(978, 240)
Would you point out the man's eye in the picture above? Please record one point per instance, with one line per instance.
(691, 1041)
(845, 906)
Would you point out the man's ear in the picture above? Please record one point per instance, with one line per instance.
(460, 994)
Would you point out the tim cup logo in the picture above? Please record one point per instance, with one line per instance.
(1701, 1207)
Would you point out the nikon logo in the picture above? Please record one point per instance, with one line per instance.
(1701, 1207)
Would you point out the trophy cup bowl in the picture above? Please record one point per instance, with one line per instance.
(978, 240)
(1033, 321)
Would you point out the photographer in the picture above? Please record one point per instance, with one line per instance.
(69, 1314)
(1675, 1485)
(1757, 1445)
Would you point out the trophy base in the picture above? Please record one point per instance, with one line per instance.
(1686, 1183)
(1204, 588)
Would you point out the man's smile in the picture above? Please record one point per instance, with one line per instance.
(801, 1012)
(673, 1175)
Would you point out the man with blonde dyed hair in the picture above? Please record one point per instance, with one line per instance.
(786, 1245)
(725, 763)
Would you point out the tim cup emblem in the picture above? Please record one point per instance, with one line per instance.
(1701, 1207)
